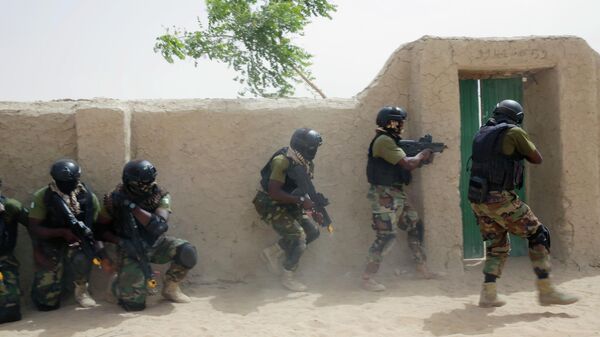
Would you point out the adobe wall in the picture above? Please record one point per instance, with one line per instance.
(209, 153)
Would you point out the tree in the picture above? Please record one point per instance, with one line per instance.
(254, 37)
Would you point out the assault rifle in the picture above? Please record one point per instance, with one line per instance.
(413, 147)
(137, 248)
(306, 188)
(87, 244)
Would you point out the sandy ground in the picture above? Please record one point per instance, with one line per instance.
(336, 306)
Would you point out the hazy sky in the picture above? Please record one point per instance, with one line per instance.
(92, 48)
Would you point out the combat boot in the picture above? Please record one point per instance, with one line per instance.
(370, 284)
(489, 296)
(82, 296)
(271, 256)
(288, 281)
(173, 293)
(548, 295)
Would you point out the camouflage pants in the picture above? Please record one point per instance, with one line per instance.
(505, 213)
(292, 225)
(131, 284)
(53, 266)
(10, 293)
(391, 211)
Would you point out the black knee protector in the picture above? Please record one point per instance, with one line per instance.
(81, 263)
(10, 314)
(382, 244)
(186, 255)
(44, 307)
(418, 231)
(312, 234)
(132, 306)
(540, 237)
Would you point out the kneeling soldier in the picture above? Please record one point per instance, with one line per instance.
(134, 216)
(286, 212)
(56, 247)
(11, 213)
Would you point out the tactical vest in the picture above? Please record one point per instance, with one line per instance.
(380, 172)
(501, 172)
(8, 232)
(56, 219)
(265, 173)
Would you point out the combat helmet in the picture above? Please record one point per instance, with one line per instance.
(508, 109)
(306, 141)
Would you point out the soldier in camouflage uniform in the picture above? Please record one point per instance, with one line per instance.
(277, 205)
(134, 217)
(499, 148)
(388, 170)
(11, 213)
(55, 249)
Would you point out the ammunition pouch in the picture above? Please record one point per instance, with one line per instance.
(478, 190)
(262, 203)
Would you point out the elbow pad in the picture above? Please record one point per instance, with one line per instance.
(157, 225)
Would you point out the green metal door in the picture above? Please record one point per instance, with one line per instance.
(469, 124)
(492, 91)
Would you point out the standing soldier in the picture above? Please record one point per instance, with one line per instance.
(135, 218)
(11, 213)
(55, 246)
(499, 148)
(388, 170)
(285, 211)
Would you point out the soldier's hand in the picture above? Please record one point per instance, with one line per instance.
(68, 235)
(1, 207)
(308, 204)
(430, 159)
(425, 155)
(318, 217)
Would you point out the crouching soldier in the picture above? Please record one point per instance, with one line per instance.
(56, 247)
(389, 171)
(279, 206)
(135, 218)
(11, 213)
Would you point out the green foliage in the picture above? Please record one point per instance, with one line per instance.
(254, 38)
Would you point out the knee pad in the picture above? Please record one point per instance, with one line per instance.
(81, 263)
(132, 306)
(417, 231)
(186, 255)
(44, 307)
(540, 237)
(301, 244)
(386, 242)
(10, 313)
(312, 234)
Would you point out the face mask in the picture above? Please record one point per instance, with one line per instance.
(141, 188)
(67, 186)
